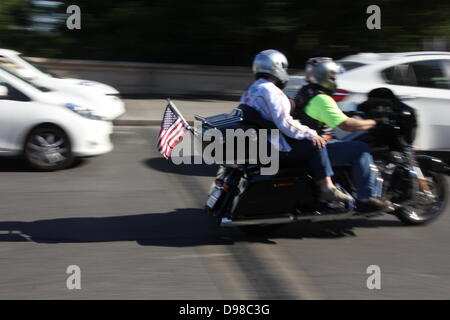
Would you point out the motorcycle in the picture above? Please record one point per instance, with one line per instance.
(415, 184)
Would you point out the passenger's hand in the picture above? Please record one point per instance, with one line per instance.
(319, 142)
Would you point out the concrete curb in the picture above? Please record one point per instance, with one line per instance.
(131, 123)
(136, 122)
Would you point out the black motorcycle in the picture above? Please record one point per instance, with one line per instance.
(416, 184)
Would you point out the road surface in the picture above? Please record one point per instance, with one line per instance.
(133, 224)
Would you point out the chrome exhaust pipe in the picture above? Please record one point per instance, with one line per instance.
(226, 222)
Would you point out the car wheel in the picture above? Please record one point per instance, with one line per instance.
(48, 148)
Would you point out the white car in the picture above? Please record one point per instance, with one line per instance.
(48, 128)
(419, 79)
(101, 95)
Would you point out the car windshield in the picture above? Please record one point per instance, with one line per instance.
(38, 66)
(350, 65)
(40, 88)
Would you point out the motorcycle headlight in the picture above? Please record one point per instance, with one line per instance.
(82, 111)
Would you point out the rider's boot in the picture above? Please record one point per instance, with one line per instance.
(334, 194)
(373, 204)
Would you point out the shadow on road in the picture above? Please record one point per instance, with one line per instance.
(14, 165)
(164, 165)
(181, 228)
(20, 165)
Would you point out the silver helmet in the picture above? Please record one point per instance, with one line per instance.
(272, 62)
(322, 71)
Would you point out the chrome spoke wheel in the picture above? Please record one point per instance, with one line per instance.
(48, 149)
(428, 205)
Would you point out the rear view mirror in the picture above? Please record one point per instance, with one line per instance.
(3, 91)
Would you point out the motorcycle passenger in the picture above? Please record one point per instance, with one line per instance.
(316, 108)
(305, 145)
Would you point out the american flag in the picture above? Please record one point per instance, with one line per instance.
(173, 129)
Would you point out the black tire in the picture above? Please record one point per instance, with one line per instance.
(420, 214)
(48, 148)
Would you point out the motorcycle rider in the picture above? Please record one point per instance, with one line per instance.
(315, 107)
(305, 145)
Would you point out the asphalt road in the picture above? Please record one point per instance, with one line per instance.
(133, 223)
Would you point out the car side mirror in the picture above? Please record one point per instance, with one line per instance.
(3, 91)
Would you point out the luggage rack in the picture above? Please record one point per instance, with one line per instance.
(223, 119)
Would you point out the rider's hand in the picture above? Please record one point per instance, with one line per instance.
(382, 126)
(319, 142)
(383, 130)
(380, 122)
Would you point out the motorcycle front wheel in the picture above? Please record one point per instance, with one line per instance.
(425, 210)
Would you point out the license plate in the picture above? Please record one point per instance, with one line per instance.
(213, 197)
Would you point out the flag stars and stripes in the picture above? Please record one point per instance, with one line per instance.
(173, 129)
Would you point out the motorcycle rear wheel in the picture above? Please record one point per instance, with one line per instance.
(422, 213)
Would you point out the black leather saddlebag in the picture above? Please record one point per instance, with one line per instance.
(284, 192)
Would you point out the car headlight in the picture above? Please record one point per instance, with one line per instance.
(82, 111)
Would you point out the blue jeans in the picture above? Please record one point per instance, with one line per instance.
(305, 153)
(355, 154)
(337, 153)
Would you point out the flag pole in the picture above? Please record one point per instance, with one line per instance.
(180, 115)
